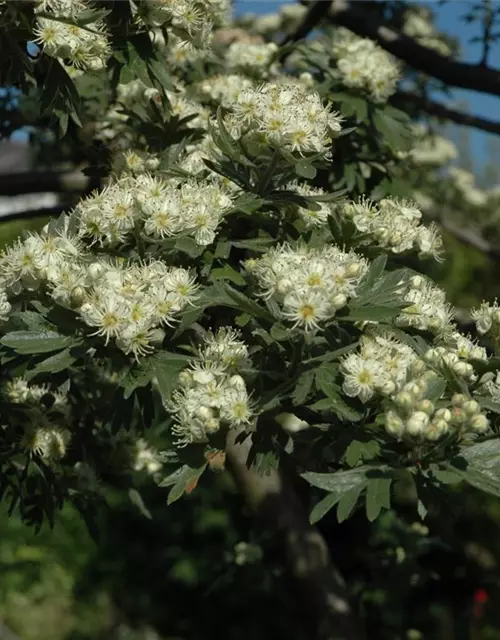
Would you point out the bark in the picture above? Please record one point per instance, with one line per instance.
(319, 586)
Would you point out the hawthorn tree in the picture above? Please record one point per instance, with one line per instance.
(245, 276)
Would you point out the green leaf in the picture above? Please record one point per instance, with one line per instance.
(488, 403)
(30, 342)
(186, 482)
(166, 369)
(323, 506)
(378, 496)
(479, 466)
(58, 362)
(373, 313)
(303, 387)
(190, 246)
(136, 500)
(359, 451)
(222, 294)
(228, 273)
(374, 273)
(339, 481)
(305, 170)
(348, 501)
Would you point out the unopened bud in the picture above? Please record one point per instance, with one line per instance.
(417, 423)
(338, 301)
(479, 423)
(471, 407)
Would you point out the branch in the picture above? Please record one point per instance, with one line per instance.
(321, 590)
(316, 12)
(451, 72)
(12, 184)
(401, 98)
(471, 239)
(32, 214)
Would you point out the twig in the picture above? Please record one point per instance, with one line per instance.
(402, 98)
(320, 587)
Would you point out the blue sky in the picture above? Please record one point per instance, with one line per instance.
(448, 19)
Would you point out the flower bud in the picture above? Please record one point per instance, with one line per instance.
(443, 414)
(354, 270)
(458, 416)
(479, 423)
(471, 407)
(212, 425)
(426, 406)
(338, 301)
(463, 369)
(78, 295)
(388, 388)
(404, 400)
(417, 282)
(458, 399)
(495, 316)
(417, 423)
(205, 413)
(393, 424)
(95, 270)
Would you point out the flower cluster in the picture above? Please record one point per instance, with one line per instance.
(380, 366)
(126, 302)
(286, 20)
(431, 149)
(254, 59)
(222, 89)
(193, 20)
(130, 302)
(417, 25)
(309, 285)
(487, 318)
(145, 458)
(212, 395)
(363, 65)
(416, 418)
(394, 225)
(86, 47)
(284, 116)
(164, 208)
(428, 310)
(313, 217)
(43, 426)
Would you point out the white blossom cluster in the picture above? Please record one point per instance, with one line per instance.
(309, 285)
(428, 309)
(145, 458)
(193, 20)
(86, 47)
(431, 149)
(465, 183)
(394, 225)
(286, 20)
(487, 318)
(363, 65)
(163, 208)
(212, 395)
(380, 366)
(254, 59)
(222, 89)
(44, 430)
(311, 217)
(120, 301)
(417, 25)
(286, 116)
(416, 418)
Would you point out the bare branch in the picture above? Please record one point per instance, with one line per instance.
(453, 73)
(321, 589)
(404, 98)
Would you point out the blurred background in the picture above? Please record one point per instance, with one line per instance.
(196, 569)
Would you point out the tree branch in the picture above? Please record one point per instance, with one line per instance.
(471, 239)
(321, 590)
(451, 72)
(12, 184)
(316, 12)
(402, 98)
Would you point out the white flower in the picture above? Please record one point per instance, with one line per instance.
(361, 377)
